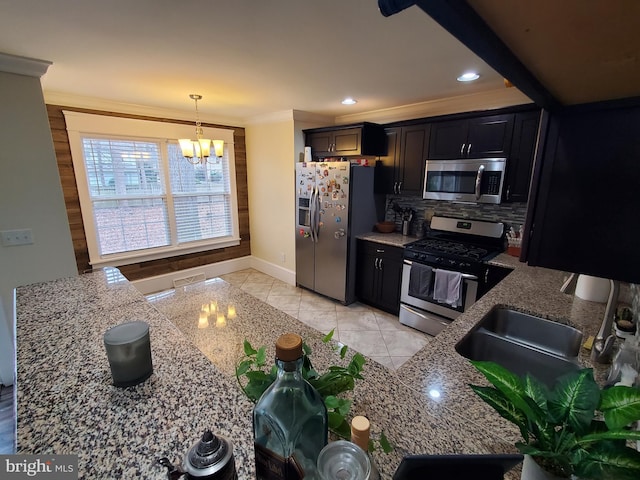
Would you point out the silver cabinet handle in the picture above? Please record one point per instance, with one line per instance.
(395, 187)
(462, 149)
(399, 187)
(375, 263)
(381, 260)
(468, 150)
(479, 181)
(509, 192)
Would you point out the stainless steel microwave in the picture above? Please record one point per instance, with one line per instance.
(465, 180)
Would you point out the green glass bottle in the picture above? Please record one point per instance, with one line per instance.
(289, 420)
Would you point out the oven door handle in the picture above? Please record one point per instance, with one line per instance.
(466, 276)
(479, 181)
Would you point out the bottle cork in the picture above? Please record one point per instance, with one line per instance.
(289, 347)
(360, 427)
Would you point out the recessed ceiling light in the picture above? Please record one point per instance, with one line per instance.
(468, 77)
(349, 101)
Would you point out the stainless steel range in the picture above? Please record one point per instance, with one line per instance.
(446, 272)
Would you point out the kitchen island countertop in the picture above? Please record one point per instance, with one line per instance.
(66, 403)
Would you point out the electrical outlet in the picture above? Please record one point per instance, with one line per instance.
(283, 257)
(12, 238)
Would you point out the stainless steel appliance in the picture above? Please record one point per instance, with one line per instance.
(334, 204)
(453, 249)
(465, 180)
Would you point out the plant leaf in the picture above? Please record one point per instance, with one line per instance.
(501, 404)
(610, 435)
(261, 356)
(248, 349)
(335, 419)
(306, 349)
(331, 401)
(327, 338)
(608, 461)
(537, 391)
(574, 399)
(243, 367)
(620, 406)
(508, 383)
(343, 351)
(384, 443)
(255, 388)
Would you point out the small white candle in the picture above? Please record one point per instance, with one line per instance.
(231, 312)
(221, 321)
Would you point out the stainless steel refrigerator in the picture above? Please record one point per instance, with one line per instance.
(334, 204)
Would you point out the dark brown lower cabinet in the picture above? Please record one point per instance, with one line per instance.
(379, 275)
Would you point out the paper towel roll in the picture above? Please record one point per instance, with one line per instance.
(594, 289)
(307, 154)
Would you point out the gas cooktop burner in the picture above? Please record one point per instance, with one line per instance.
(446, 247)
(432, 245)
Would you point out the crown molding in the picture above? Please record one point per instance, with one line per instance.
(31, 67)
(489, 100)
(100, 104)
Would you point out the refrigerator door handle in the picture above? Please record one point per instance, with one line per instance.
(312, 215)
(315, 206)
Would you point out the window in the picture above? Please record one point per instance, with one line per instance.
(140, 198)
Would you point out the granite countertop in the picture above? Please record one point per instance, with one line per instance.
(394, 239)
(67, 404)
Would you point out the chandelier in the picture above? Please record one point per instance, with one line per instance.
(199, 150)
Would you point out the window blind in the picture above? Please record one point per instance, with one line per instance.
(136, 208)
(127, 194)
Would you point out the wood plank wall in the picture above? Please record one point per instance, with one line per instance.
(155, 267)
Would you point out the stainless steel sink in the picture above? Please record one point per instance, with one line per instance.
(552, 337)
(524, 344)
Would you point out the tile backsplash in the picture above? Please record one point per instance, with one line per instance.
(512, 214)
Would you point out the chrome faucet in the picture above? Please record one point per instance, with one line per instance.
(603, 343)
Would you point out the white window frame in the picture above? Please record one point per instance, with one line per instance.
(83, 124)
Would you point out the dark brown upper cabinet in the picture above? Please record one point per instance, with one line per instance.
(520, 159)
(582, 215)
(480, 137)
(401, 170)
(350, 140)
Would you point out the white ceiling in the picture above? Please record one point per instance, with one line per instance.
(246, 57)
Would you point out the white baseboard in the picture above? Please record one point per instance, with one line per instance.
(212, 270)
(276, 271)
(165, 281)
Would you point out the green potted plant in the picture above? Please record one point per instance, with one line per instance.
(255, 373)
(574, 429)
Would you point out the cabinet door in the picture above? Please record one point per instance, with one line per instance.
(448, 139)
(413, 154)
(366, 272)
(389, 279)
(320, 143)
(347, 142)
(489, 136)
(587, 203)
(385, 179)
(520, 160)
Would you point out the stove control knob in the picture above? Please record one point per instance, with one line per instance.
(422, 256)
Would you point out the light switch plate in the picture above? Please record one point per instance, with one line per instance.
(11, 238)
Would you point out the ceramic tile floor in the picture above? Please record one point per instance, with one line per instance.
(372, 332)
